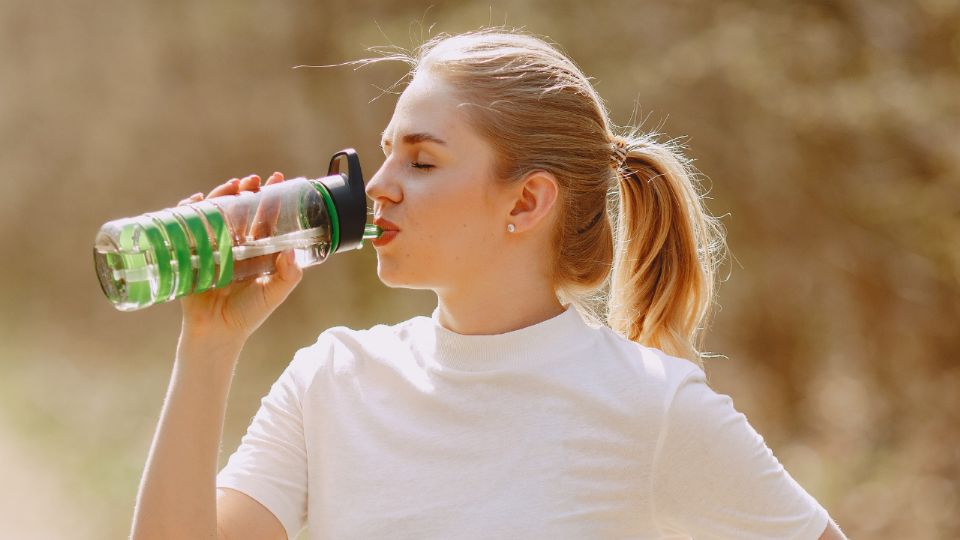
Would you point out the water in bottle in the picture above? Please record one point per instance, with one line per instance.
(191, 248)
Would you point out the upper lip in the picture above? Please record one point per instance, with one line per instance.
(385, 224)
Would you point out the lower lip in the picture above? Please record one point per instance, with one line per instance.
(385, 238)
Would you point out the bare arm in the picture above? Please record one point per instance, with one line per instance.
(832, 532)
(178, 496)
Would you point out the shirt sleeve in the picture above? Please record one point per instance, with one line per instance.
(270, 464)
(715, 478)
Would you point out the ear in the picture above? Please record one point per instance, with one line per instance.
(535, 196)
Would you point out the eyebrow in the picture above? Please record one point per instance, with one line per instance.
(414, 138)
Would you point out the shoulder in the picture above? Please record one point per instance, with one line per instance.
(341, 349)
(642, 380)
(648, 363)
(376, 341)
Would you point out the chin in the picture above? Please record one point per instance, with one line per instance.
(396, 278)
(391, 276)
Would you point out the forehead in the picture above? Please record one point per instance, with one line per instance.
(427, 105)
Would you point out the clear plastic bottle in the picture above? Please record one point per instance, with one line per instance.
(191, 248)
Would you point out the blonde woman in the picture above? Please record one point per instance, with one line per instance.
(509, 412)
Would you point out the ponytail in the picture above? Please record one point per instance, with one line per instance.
(667, 248)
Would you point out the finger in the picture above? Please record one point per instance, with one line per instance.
(265, 220)
(288, 269)
(237, 213)
(227, 188)
(274, 178)
(268, 213)
(240, 214)
(250, 183)
(280, 284)
(193, 198)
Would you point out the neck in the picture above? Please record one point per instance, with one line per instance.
(499, 308)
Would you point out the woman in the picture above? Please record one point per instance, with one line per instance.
(505, 414)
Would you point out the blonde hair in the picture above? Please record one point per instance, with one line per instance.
(646, 254)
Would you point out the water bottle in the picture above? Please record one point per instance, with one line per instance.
(191, 248)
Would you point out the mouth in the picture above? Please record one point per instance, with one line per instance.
(385, 224)
(390, 231)
(385, 238)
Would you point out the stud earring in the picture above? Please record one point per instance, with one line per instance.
(511, 227)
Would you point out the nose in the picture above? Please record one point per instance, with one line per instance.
(384, 187)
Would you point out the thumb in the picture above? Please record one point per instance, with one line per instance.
(288, 268)
(282, 282)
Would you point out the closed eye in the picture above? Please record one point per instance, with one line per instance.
(422, 166)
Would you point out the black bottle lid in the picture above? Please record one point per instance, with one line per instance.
(349, 196)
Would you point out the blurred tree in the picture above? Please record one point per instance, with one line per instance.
(828, 132)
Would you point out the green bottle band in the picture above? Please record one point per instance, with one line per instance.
(223, 238)
(332, 213)
(180, 246)
(132, 259)
(161, 256)
(197, 231)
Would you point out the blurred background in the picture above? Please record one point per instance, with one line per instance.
(830, 133)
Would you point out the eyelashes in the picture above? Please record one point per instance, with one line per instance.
(413, 164)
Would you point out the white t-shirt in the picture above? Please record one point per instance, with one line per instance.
(559, 430)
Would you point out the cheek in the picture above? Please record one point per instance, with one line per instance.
(467, 239)
(447, 205)
(464, 214)
(451, 227)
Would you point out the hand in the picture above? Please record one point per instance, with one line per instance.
(237, 310)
